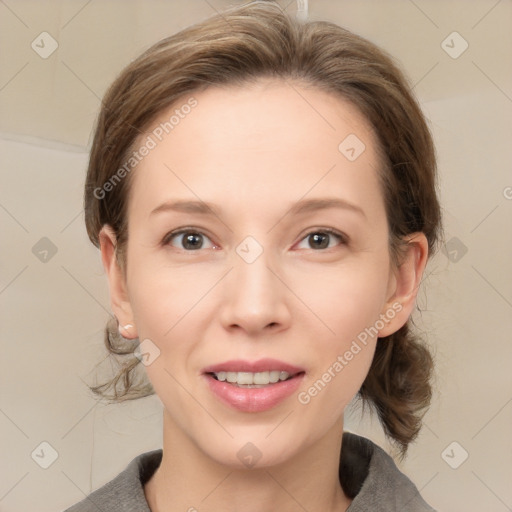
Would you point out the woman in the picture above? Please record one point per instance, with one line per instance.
(263, 193)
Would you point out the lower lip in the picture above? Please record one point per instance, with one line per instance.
(254, 399)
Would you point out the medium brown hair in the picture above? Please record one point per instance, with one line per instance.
(239, 46)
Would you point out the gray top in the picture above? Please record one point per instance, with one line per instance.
(368, 475)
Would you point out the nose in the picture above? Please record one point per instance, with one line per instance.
(255, 298)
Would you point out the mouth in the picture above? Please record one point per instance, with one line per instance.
(253, 379)
(253, 386)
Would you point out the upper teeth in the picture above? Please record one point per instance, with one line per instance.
(252, 378)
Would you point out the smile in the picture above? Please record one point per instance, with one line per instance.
(254, 386)
(252, 380)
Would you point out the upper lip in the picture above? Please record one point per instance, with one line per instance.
(262, 365)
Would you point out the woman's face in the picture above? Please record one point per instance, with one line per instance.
(258, 244)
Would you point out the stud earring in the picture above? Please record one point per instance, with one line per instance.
(125, 328)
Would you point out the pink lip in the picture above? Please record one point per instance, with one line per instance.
(253, 399)
(262, 365)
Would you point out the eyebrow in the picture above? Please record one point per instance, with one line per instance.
(302, 206)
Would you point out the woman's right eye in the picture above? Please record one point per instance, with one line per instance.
(188, 240)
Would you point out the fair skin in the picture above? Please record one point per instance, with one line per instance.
(254, 152)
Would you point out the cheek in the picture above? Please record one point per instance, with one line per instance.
(161, 298)
(171, 308)
(166, 311)
(327, 394)
(340, 360)
(345, 299)
(347, 304)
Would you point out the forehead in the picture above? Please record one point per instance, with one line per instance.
(268, 139)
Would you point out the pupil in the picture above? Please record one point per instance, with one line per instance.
(192, 241)
(323, 240)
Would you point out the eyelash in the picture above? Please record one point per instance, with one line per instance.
(326, 231)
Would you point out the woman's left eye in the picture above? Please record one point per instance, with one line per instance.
(322, 239)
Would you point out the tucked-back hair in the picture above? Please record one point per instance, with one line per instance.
(239, 46)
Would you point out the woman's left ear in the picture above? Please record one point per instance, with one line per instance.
(404, 284)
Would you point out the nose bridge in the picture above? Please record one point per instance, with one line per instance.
(255, 297)
(254, 280)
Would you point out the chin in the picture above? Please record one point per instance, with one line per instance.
(252, 454)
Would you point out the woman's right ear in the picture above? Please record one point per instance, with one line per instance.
(119, 299)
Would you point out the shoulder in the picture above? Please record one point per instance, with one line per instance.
(126, 491)
(374, 481)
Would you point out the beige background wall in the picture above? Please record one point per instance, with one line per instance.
(53, 306)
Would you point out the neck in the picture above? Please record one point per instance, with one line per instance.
(189, 480)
